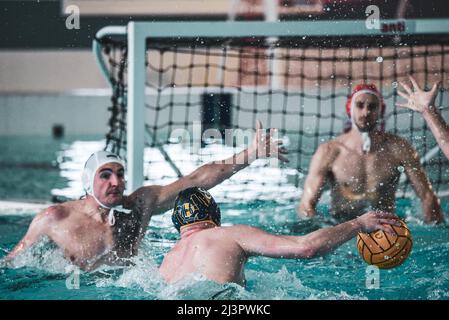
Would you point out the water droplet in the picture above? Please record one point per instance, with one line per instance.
(379, 59)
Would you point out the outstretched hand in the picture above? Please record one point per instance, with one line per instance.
(418, 99)
(377, 220)
(265, 146)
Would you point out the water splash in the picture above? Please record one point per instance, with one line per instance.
(284, 285)
(44, 255)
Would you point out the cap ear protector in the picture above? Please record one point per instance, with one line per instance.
(195, 205)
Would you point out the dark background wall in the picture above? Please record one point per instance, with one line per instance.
(41, 25)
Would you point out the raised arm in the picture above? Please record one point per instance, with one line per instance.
(320, 242)
(313, 186)
(424, 103)
(211, 174)
(430, 203)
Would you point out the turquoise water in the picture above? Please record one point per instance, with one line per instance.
(42, 273)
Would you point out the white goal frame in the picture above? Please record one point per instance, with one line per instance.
(137, 34)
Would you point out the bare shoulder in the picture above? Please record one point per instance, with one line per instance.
(143, 196)
(241, 230)
(60, 211)
(328, 151)
(331, 145)
(398, 145)
(49, 217)
(238, 228)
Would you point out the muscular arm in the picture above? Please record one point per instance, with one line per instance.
(313, 186)
(439, 128)
(206, 176)
(423, 102)
(37, 228)
(321, 242)
(159, 199)
(211, 174)
(421, 184)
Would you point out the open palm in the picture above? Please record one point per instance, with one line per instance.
(266, 146)
(417, 99)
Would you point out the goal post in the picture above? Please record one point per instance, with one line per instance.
(140, 34)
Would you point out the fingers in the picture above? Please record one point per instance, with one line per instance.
(282, 158)
(403, 95)
(283, 150)
(278, 142)
(435, 87)
(406, 87)
(385, 215)
(402, 105)
(387, 229)
(415, 84)
(272, 132)
(394, 222)
(268, 146)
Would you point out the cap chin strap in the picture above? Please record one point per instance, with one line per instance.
(111, 218)
(366, 142)
(366, 139)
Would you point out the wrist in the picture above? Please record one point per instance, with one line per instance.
(357, 224)
(251, 154)
(429, 110)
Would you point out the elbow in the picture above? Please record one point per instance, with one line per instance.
(198, 177)
(309, 252)
(432, 209)
(430, 198)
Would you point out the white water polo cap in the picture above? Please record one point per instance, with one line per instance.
(95, 161)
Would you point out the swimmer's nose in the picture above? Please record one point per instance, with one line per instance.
(366, 111)
(114, 180)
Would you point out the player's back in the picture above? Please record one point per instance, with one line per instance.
(211, 252)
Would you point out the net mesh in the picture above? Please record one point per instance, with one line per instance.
(298, 86)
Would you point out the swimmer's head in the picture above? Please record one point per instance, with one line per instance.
(103, 178)
(194, 205)
(365, 107)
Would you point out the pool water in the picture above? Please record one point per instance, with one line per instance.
(43, 273)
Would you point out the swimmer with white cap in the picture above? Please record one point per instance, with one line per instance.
(95, 162)
(106, 227)
(364, 164)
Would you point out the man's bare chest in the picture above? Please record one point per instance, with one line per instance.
(365, 171)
